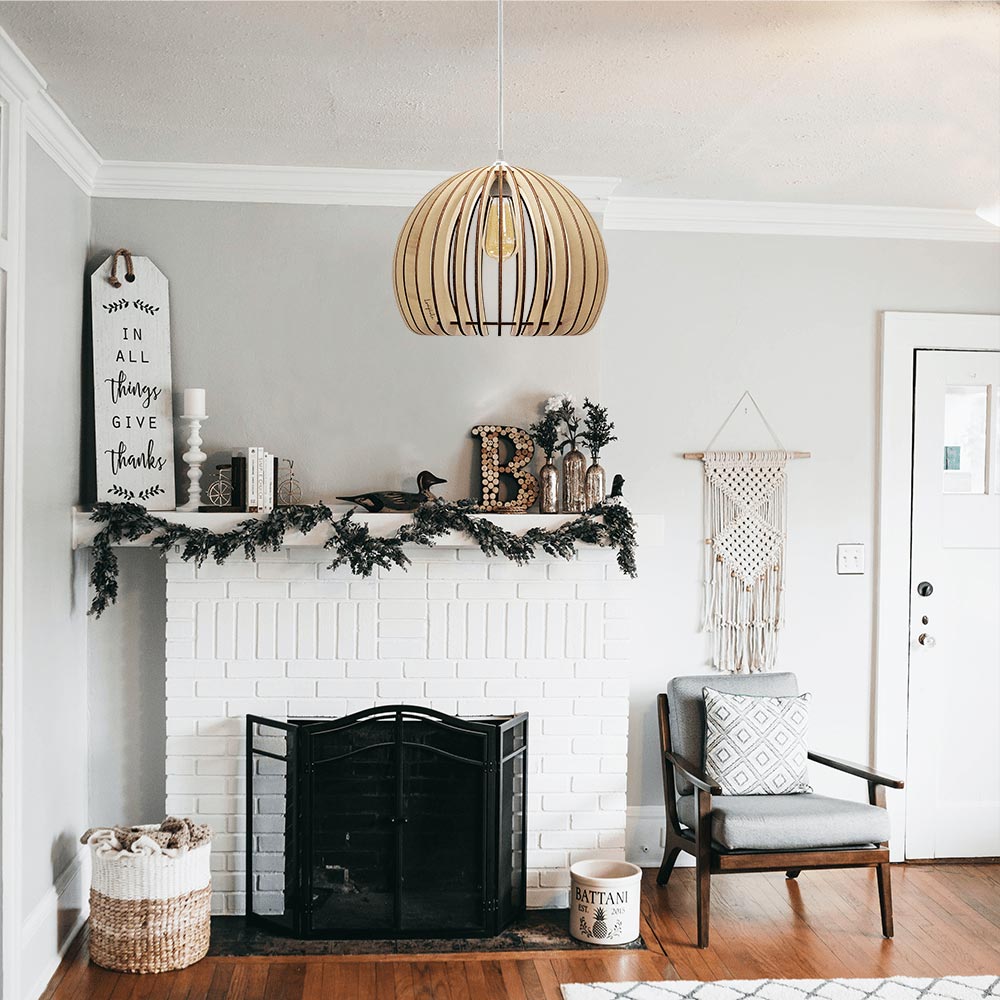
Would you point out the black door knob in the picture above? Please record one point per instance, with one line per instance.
(924, 589)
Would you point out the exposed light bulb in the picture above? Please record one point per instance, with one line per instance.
(492, 244)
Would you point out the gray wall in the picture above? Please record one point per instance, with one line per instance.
(691, 321)
(125, 668)
(285, 314)
(53, 713)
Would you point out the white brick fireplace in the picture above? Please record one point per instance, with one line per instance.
(457, 631)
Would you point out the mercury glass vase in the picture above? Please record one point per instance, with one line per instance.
(594, 485)
(548, 488)
(574, 466)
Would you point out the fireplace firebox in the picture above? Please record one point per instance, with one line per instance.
(396, 821)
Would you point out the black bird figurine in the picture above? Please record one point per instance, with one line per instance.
(616, 485)
(390, 501)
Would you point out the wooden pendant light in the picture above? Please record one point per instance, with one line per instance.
(504, 250)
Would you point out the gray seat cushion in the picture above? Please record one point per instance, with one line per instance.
(687, 708)
(789, 822)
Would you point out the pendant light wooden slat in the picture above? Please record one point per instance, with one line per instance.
(461, 205)
(582, 262)
(431, 246)
(441, 253)
(543, 257)
(521, 257)
(480, 251)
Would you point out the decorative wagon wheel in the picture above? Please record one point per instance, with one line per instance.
(289, 491)
(220, 493)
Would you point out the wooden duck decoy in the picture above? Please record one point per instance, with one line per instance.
(393, 501)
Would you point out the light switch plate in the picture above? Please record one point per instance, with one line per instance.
(850, 559)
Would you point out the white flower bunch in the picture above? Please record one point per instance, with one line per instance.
(554, 403)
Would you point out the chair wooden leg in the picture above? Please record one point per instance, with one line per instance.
(704, 877)
(667, 866)
(703, 855)
(793, 873)
(885, 898)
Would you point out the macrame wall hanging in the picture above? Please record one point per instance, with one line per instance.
(745, 535)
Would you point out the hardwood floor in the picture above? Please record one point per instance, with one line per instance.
(825, 924)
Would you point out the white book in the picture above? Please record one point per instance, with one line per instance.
(268, 481)
(253, 463)
(260, 480)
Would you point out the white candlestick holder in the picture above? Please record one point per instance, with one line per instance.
(194, 457)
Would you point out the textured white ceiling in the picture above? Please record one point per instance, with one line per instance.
(869, 103)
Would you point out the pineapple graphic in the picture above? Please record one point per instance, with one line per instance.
(600, 927)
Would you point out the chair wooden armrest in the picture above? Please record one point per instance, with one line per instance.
(858, 770)
(693, 774)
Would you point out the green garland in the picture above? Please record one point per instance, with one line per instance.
(351, 542)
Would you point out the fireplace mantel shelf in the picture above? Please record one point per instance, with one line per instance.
(650, 526)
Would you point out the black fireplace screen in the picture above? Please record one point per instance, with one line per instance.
(394, 821)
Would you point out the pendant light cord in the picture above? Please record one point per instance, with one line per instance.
(500, 80)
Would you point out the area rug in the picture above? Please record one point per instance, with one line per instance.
(897, 988)
(538, 930)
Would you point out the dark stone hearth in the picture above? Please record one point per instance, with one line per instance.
(537, 930)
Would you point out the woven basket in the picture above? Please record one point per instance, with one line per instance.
(150, 912)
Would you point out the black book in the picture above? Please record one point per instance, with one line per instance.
(238, 475)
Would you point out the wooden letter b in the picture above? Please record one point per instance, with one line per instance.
(527, 485)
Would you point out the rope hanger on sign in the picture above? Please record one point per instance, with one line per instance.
(114, 280)
(745, 534)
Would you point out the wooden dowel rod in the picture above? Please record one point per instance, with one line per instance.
(792, 454)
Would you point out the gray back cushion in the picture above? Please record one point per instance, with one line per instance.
(687, 708)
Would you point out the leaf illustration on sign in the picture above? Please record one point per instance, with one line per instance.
(133, 409)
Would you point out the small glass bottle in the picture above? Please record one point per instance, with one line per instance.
(574, 466)
(595, 486)
(548, 487)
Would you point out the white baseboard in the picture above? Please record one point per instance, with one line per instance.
(51, 926)
(645, 835)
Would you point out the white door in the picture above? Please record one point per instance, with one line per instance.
(953, 737)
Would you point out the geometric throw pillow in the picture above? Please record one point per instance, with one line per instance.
(756, 745)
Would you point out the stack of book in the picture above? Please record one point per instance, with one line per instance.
(254, 478)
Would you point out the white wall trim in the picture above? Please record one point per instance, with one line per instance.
(58, 136)
(902, 334)
(404, 188)
(17, 71)
(295, 185)
(17, 84)
(777, 218)
(51, 926)
(44, 120)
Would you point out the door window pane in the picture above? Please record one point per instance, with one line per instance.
(966, 411)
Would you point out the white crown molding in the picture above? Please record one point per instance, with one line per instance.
(45, 121)
(404, 188)
(295, 185)
(48, 125)
(17, 71)
(783, 218)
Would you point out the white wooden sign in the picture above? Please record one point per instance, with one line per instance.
(133, 405)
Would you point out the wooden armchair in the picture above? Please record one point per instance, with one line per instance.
(760, 833)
